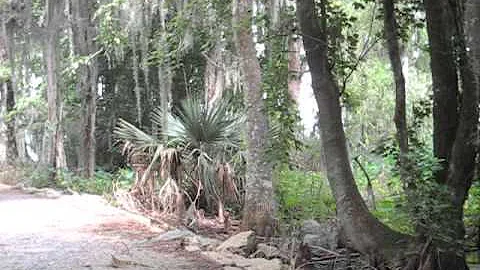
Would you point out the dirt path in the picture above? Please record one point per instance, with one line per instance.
(77, 232)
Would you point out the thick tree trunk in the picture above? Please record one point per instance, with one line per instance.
(56, 155)
(259, 201)
(441, 32)
(365, 233)
(52, 101)
(400, 119)
(463, 154)
(83, 41)
(456, 127)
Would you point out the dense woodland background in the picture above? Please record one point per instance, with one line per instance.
(201, 104)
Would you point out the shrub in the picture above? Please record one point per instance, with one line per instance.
(103, 183)
(392, 212)
(303, 195)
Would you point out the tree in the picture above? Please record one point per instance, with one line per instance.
(400, 119)
(372, 237)
(9, 25)
(472, 15)
(84, 32)
(258, 210)
(441, 29)
(455, 114)
(55, 149)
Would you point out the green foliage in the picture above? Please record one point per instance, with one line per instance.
(206, 138)
(390, 211)
(25, 105)
(206, 135)
(4, 72)
(303, 195)
(283, 114)
(343, 39)
(406, 13)
(472, 206)
(281, 108)
(38, 177)
(104, 183)
(111, 35)
(426, 201)
(390, 199)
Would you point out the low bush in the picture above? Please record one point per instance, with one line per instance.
(102, 184)
(303, 195)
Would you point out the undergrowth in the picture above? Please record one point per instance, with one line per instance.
(103, 183)
(303, 195)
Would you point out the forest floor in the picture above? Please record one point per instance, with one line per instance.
(54, 231)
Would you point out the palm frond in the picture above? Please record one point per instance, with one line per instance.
(202, 138)
(135, 137)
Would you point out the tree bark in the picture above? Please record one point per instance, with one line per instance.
(11, 153)
(83, 31)
(144, 47)
(164, 74)
(365, 233)
(441, 30)
(214, 74)
(56, 155)
(294, 68)
(454, 115)
(463, 154)
(258, 210)
(136, 78)
(400, 118)
(8, 28)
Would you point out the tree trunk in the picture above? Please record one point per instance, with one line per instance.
(294, 68)
(136, 78)
(55, 154)
(365, 233)
(259, 201)
(11, 152)
(8, 28)
(400, 119)
(214, 74)
(83, 31)
(455, 126)
(463, 154)
(164, 74)
(440, 28)
(472, 21)
(144, 48)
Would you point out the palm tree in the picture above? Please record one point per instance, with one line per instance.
(202, 141)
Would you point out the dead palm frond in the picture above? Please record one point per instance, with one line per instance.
(199, 138)
(207, 136)
(168, 195)
(226, 182)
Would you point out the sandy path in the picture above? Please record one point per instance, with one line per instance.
(76, 232)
